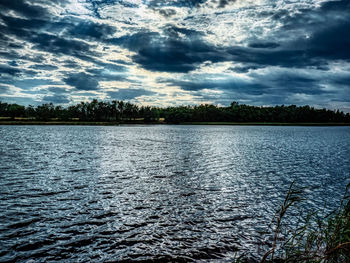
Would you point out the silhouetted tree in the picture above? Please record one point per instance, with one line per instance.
(120, 111)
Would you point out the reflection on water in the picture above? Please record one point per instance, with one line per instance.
(157, 192)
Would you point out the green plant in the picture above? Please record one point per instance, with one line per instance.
(317, 239)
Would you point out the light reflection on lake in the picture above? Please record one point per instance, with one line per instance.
(80, 193)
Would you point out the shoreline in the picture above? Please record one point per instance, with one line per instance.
(97, 123)
(269, 123)
(70, 123)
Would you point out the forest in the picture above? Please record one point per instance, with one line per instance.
(124, 112)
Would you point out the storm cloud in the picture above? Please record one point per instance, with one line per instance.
(82, 81)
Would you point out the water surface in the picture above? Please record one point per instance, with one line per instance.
(166, 193)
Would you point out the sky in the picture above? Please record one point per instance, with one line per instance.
(176, 52)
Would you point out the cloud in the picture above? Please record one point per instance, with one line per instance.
(57, 90)
(322, 33)
(285, 82)
(27, 30)
(263, 45)
(166, 12)
(224, 83)
(331, 42)
(177, 3)
(82, 81)
(4, 89)
(129, 94)
(103, 75)
(58, 45)
(275, 86)
(224, 3)
(171, 53)
(89, 29)
(46, 35)
(56, 99)
(70, 64)
(213, 50)
(28, 83)
(112, 67)
(9, 70)
(23, 8)
(20, 100)
(44, 67)
(182, 50)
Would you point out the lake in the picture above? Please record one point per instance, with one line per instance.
(162, 193)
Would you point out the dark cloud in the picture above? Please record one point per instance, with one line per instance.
(342, 80)
(321, 32)
(224, 3)
(71, 64)
(290, 83)
(339, 5)
(173, 54)
(57, 90)
(98, 4)
(44, 67)
(9, 70)
(56, 99)
(135, 41)
(189, 3)
(332, 42)
(23, 8)
(108, 72)
(58, 45)
(129, 94)
(23, 29)
(72, 26)
(46, 35)
(228, 84)
(9, 55)
(263, 45)
(166, 12)
(82, 81)
(89, 29)
(271, 57)
(177, 3)
(30, 9)
(13, 63)
(14, 71)
(20, 24)
(244, 69)
(170, 54)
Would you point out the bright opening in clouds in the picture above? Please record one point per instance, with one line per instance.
(176, 52)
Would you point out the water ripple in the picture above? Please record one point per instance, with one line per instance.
(158, 193)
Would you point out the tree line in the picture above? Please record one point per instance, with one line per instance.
(120, 111)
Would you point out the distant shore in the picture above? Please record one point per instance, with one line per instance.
(92, 123)
(269, 123)
(162, 123)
